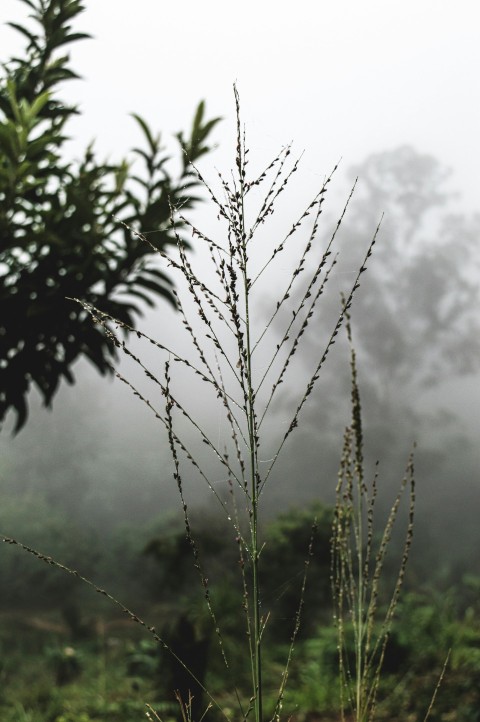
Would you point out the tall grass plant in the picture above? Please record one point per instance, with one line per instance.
(243, 347)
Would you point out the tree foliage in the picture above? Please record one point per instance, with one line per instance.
(64, 225)
(415, 319)
(417, 316)
(416, 326)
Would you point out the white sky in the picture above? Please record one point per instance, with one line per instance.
(342, 79)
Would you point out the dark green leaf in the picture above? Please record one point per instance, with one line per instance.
(152, 142)
(61, 232)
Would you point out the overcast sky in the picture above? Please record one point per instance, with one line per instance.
(342, 79)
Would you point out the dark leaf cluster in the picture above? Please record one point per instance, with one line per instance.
(66, 227)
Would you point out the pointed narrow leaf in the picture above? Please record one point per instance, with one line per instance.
(153, 142)
(31, 37)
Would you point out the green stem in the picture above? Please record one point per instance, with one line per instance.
(257, 631)
(255, 550)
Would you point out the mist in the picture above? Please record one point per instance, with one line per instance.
(373, 84)
(100, 457)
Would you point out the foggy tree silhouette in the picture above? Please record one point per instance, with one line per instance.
(62, 231)
(415, 324)
(416, 317)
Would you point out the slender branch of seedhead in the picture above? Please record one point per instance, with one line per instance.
(437, 687)
(296, 629)
(101, 317)
(206, 440)
(201, 354)
(307, 294)
(240, 155)
(193, 280)
(184, 269)
(272, 194)
(210, 298)
(315, 376)
(170, 404)
(192, 283)
(197, 233)
(180, 443)
(142, 237)
(229, 280)
(188, 455)
(131, 615)
(293, 349)
(220, 265)
(231, 303)
(235, 429)
(221, 209)
(181, 408)
(279, 158)
(318, 200)
(296, 273)
(233, 297)
(158, 416)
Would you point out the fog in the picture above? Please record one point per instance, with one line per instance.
(401, 110)
(102, 458)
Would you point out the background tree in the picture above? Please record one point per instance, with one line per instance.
(417, 316)
(415, 320)
(64, 224)
(416, 326)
